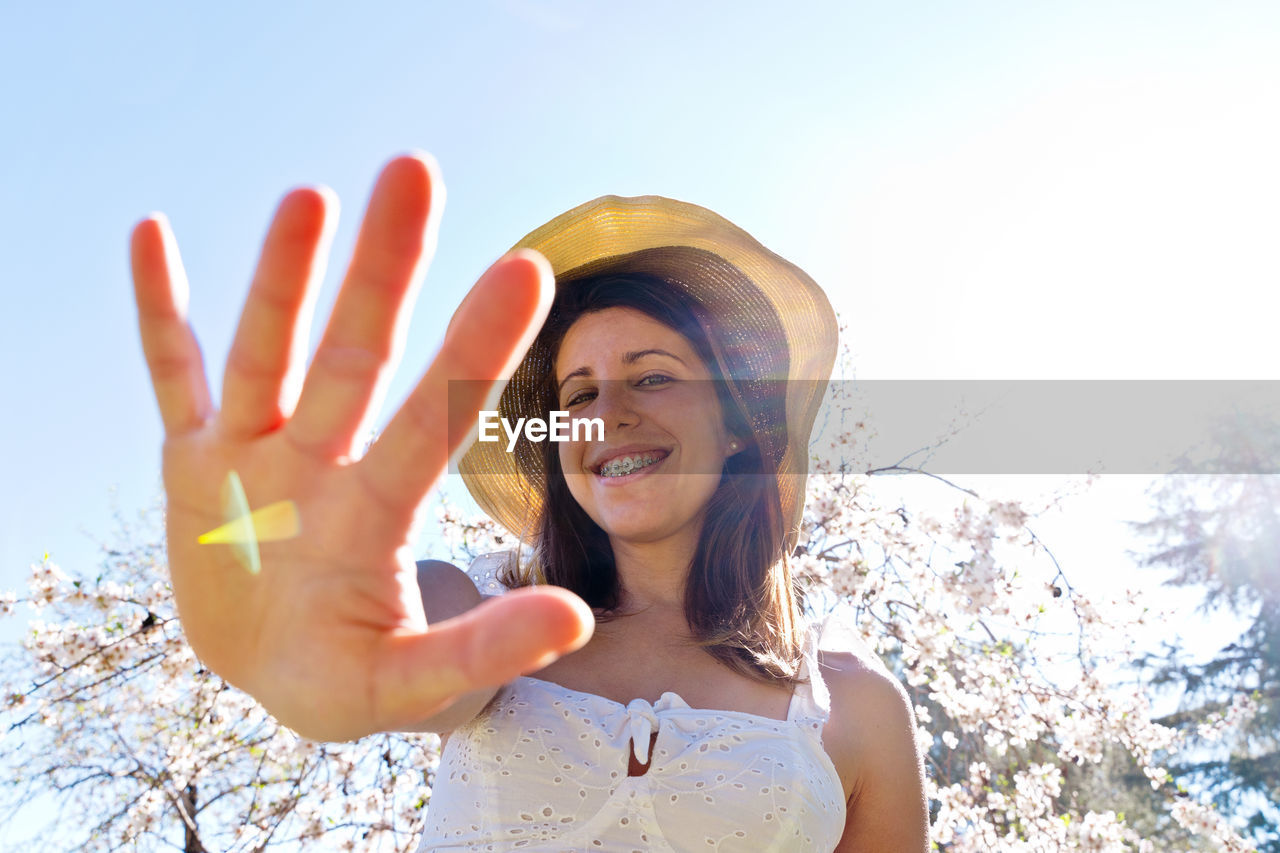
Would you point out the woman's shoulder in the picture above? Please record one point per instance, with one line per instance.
(486, 574)
(860, 685)
(871, 722)
(870, 735)
(872, 740)
(446, 589)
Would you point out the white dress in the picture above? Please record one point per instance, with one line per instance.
(545, 768)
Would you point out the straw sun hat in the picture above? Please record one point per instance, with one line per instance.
(771, 329)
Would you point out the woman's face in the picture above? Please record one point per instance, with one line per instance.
(662, 424)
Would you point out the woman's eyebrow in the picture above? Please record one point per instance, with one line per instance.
(627, 358)
(633, 357)
(581, 371)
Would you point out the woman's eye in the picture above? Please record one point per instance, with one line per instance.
(655, 379)
(580, 397)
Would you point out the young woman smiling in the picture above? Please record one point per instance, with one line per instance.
(648, 681)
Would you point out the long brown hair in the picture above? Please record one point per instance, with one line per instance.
(740, 600)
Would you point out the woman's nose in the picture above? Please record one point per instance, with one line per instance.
(615, 404)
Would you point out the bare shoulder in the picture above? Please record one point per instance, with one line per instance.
(859, 677)
(446, 590)
(871, 737)
(867, 702)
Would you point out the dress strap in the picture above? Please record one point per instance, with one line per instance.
(837, 631)
(811, 702)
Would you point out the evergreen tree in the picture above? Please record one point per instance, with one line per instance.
(1217, 526)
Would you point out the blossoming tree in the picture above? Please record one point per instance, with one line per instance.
(144, 749)
(1012, 668)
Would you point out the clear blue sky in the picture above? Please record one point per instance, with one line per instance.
(988, 190)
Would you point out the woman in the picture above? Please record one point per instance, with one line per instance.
(332, 638)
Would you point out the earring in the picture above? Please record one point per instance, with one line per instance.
(733, 445)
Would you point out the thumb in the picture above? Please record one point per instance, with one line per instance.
(521, 631)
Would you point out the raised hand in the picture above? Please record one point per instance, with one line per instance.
(331, 636)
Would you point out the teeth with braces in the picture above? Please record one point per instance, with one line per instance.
(625, 465)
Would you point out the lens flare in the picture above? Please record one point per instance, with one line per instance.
(243, 530)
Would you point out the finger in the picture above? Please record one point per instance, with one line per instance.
(365, 335)
(264, 367)
(173, 356)
(487, 337)
(488, 645)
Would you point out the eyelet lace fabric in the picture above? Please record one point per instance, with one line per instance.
(545, 768)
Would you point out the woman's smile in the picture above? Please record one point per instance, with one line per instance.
(623, 466)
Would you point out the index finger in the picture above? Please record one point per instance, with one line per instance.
(168, 343)
(486, 339)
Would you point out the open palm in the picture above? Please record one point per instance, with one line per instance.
(331, 636)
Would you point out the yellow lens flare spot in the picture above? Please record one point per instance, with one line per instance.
(243, 530)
